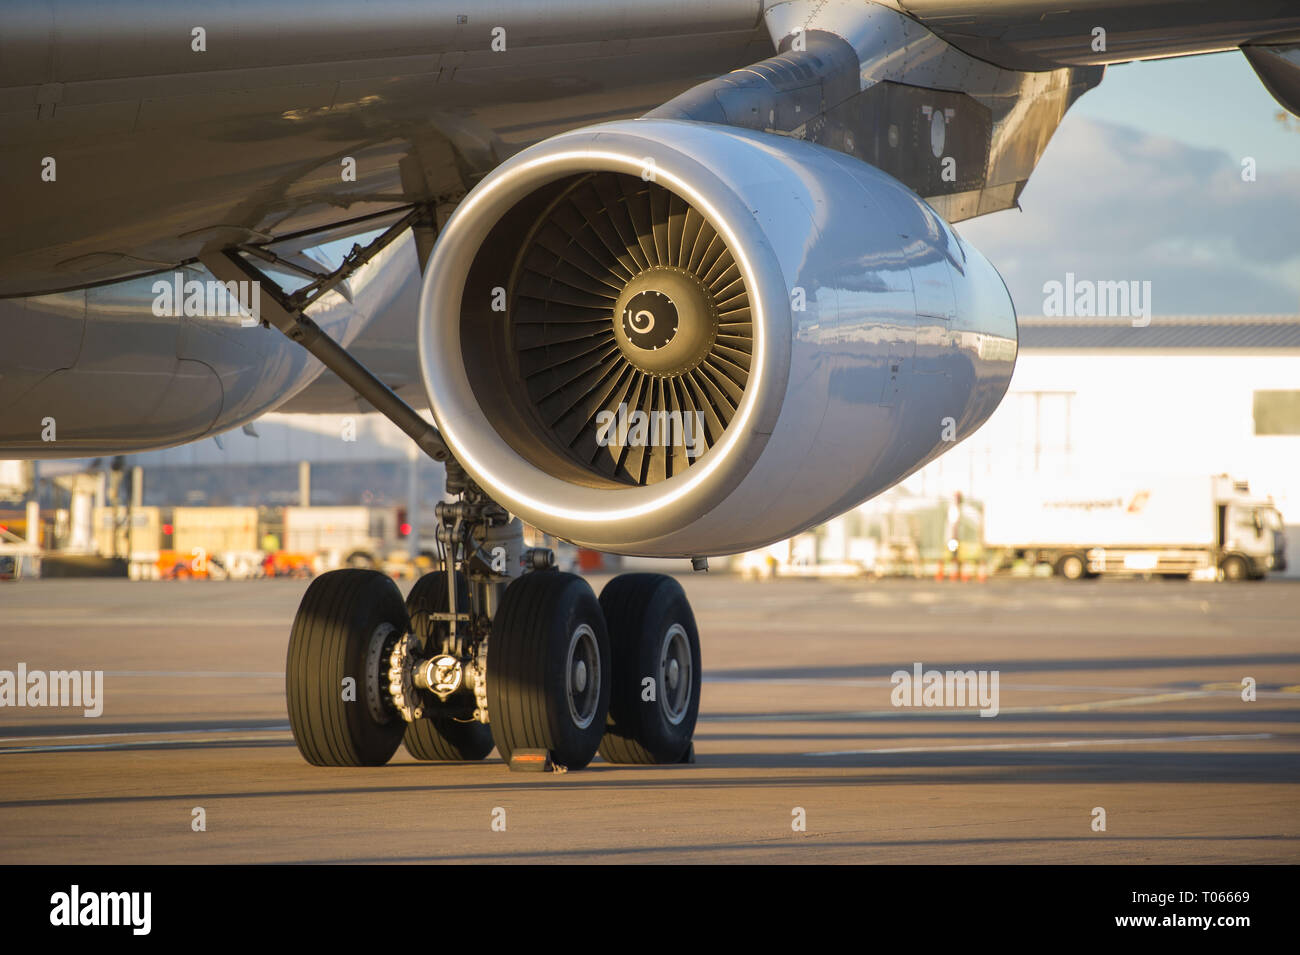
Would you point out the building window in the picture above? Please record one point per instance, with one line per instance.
(1277, 412)
(1045, 431)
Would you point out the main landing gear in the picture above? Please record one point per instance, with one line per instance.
(532, 662)
(496, 647)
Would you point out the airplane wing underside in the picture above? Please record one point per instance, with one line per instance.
(135, 135)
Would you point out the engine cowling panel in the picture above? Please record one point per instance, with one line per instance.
(790, 326)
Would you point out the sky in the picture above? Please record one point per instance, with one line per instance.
(1143, 182)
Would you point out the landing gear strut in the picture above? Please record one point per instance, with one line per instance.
(449, 731)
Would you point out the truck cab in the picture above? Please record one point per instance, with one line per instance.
(1251, 539)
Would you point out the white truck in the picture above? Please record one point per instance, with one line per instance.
(1201, 527)
(343, 536)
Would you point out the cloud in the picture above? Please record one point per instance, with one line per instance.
(1111, 202)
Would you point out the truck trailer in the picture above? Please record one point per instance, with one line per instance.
(344, 536)
(1201, 527)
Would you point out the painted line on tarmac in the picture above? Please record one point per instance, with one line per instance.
(952, 712)
(65, 617)
(1058, 744)
(129, 739)
(1111, 704)
(217, 674)
(1212, 689)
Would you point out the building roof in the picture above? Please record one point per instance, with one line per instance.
(1165, 332)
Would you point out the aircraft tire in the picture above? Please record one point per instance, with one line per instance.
(346, 617)
(548, 669)
(656, 693)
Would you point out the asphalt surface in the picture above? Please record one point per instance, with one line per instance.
(1119, 696)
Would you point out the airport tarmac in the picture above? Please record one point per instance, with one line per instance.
(1113, 695)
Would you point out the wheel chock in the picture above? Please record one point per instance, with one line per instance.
(531, 761)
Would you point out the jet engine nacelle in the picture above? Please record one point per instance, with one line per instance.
(668, 338)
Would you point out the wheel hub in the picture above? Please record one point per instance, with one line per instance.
(582, 676)
(401, 679)
(442, 675)
(378, 699)
(675, 674)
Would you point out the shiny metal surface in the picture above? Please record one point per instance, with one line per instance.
(162, 151)
(115, 377)
(676, 674)
(386, 346)
(1022, 35)
(903, 325)
(582, 676)
(961, 132)
(1278, 68)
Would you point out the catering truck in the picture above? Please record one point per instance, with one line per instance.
(1203, 527)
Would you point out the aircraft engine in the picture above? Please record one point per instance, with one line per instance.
(669, 338)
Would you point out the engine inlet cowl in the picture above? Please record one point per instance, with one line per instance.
(671, 338)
